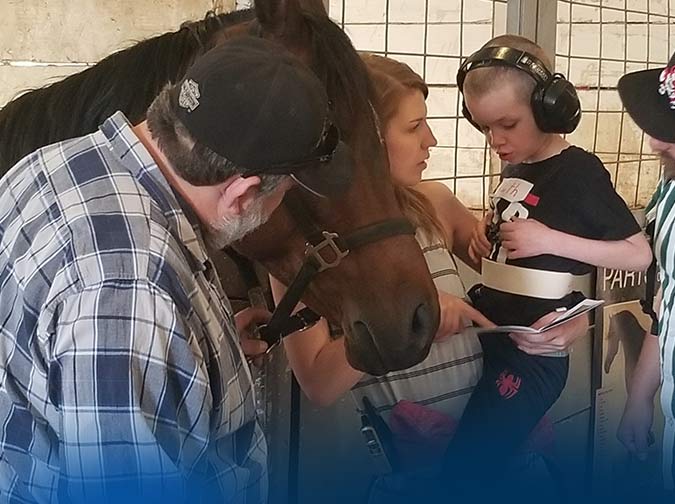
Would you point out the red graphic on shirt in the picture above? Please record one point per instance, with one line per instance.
(508, 384)
(531, 199)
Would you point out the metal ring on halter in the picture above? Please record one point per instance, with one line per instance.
(314, 251)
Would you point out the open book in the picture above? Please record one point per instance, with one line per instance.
(583, 307)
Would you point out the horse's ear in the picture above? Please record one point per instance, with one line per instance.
(282, 18)
(277, 17)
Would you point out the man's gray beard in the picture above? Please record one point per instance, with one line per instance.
(230, 229)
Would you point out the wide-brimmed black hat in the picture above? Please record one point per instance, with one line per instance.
(252, 102)
(649, 98)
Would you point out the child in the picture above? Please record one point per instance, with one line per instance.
(555, 215)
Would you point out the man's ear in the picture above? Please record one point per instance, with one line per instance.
(237, 195)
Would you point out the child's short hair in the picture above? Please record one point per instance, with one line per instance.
(480, 81)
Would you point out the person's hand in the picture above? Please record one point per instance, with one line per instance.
(479, 245)
(525, 238)
(635, 425)
(457, 314)
(557, 339)
(246, 320)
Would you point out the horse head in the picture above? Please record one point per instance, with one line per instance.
(381, 293)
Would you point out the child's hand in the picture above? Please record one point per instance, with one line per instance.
(457, 314)
(556, 339)
(479, 245)
(526, 238)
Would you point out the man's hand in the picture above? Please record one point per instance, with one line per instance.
(246, 320)
(457, 314)
(558, 339)
(635, 425)
(479, 245)
(526, 238)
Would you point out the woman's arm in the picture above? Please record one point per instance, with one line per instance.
(319, 363)
(638, 413)
(455, 218)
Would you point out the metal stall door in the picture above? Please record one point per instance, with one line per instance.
(596, 43)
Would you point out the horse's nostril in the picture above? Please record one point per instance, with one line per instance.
(421, 320)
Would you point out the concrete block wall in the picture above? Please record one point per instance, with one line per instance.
(44, 40)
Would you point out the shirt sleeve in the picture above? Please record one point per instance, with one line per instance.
(131, 386)
(600, 206)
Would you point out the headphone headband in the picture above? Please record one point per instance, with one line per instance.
(505, 56)
(554, 101)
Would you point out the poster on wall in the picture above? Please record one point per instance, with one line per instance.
(622, 326)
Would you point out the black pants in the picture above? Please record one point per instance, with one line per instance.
(514, 393)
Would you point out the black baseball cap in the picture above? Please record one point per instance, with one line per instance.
(649, 98)
(252, 102)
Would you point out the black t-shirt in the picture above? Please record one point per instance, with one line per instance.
(570, 192)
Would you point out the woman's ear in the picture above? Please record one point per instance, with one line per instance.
(237, 195)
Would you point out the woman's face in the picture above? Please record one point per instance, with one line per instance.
(408, 139)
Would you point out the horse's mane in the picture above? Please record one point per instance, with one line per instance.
(341, 70)
(127, 80)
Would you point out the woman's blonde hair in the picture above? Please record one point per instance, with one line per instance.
(393, 80)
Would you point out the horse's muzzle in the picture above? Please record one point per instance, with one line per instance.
(378, 351)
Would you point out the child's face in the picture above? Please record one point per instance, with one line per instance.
(408, 138)
(508, 124)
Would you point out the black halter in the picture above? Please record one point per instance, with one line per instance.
(323, 250)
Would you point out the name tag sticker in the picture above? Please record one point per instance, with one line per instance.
(513, 190)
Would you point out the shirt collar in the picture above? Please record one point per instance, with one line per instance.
(132, 154)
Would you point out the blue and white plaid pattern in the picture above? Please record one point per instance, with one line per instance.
(120, 373)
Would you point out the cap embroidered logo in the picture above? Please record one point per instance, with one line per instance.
(189, 95)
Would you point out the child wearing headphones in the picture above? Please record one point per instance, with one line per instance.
(555, 215)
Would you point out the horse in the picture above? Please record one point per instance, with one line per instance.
(379, 290)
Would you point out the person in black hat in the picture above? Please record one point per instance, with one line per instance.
(122, 377)
(649, 98)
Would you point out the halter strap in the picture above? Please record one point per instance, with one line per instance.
(318, 242)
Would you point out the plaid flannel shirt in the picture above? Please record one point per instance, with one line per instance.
(121, 376)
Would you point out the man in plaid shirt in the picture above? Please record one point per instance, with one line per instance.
(121, 373)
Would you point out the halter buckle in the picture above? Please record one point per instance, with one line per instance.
(328, 242)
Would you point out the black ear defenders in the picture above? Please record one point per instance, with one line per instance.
(554, 101)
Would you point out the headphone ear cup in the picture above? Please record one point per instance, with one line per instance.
(467, 116)
(567, 104)
(541, 115)
(556, 106)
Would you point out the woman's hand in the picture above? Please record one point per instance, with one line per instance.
(479, 245)
(456, 315)
(558, 339)
(246, 320)
(526, 238)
